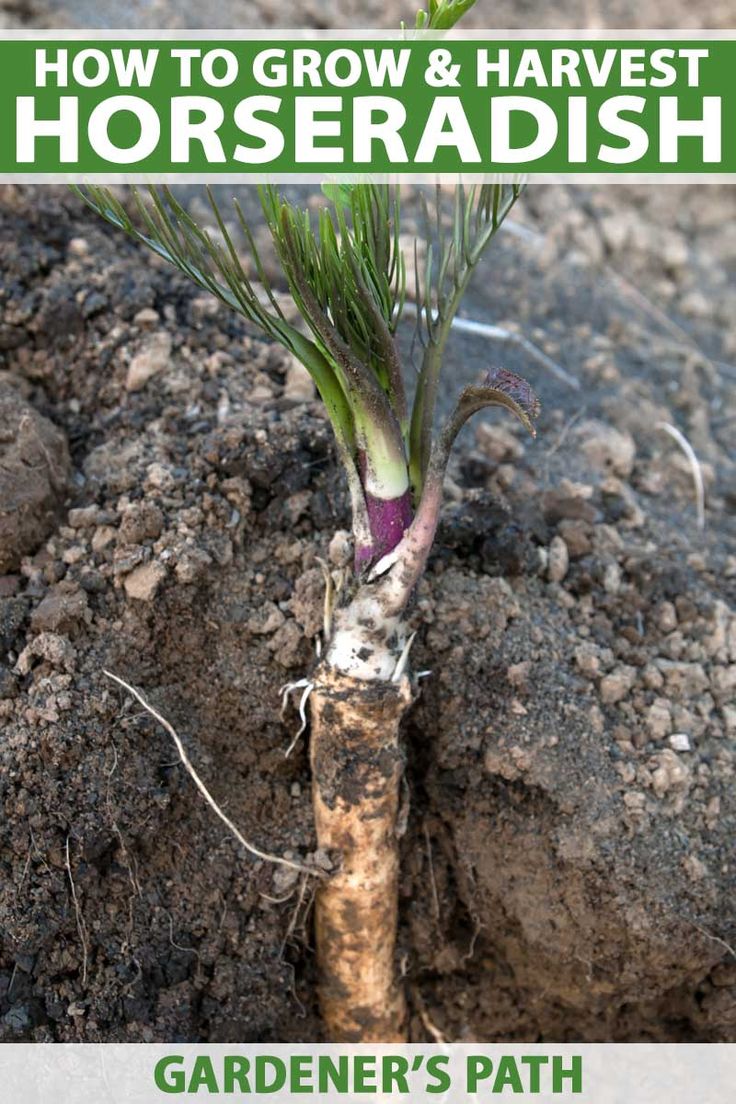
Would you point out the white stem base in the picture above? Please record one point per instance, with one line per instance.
(366, 643)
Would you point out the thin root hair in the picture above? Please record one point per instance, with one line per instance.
(186, 762)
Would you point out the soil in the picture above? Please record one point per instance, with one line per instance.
(567, 865)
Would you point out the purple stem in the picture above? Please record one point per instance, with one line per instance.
(388, 519)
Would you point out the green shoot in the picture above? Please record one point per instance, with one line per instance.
(442, 15)
(347, 277)
(451, 258)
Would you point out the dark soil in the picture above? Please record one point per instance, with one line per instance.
(568, 866)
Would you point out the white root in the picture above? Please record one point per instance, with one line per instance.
(308, 688)
(187, 763)
(357, 768)
(288, 689)
(695, 468)
(403, 660)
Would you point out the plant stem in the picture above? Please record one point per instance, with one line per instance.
(384, 475)
(388, 520)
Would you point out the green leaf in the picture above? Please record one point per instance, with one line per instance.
(499, 388)
(442, 14)
(459, 241)
(338, 194)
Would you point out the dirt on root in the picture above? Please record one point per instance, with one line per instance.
(568, 867)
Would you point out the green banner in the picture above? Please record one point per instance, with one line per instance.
(155, 107)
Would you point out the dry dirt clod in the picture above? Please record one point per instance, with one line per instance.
(659, 718)
(63, 609)
(52, 647)
(143, 582)
(615, 686)
(34, 472)
(607, 450)
(152, 359)
(670, 773)
(587, 660)
(558, 561)
(141, 521)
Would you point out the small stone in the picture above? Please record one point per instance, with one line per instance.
(93, 304)
(147, 317)
(666, 617)
(518, 674)
(298, 385)
(652, 677)
(573, 488)
(682, 719)
(696, 560)
(559, 560)
(140, 522)
(153, 358)
(612, 578)
(713, 812)
(659, 718)
(83, 517)
(695, 305)
(675, 252)
(617, 231)
(614, 687)
(716, 643)
(78, 247)
(261, 393)
(144, 581)
(679, 741)
(670, 773)
(103, 537)
(587, 661)
(75, 553)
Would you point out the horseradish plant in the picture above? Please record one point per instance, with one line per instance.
(346, 274)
